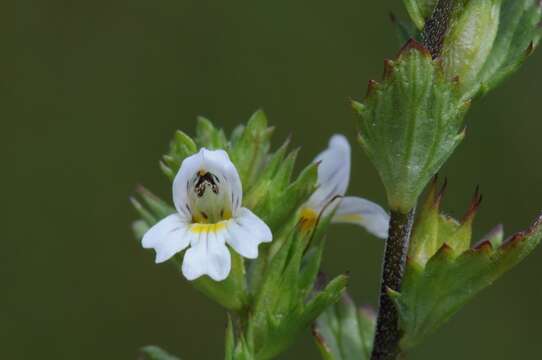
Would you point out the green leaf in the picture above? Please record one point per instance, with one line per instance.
(208, 136)
(181, 147)
(518, 35)
(469, 41)
(248, 151)
(433, 229)
(152, 352)
(344, 332)
(433, 293)
(404, 30)
(420, 10)
(279, 200)
(282, 308)
(410, 124)
(229, 342)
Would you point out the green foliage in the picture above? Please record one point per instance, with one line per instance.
(272, 299)
(410, 124)
(266, 177)
(518, 35)
(420, 10)
(152, 352)
(432, 229)
(469, 41)
(284, 304)
(404, 30)
(486, 40)
(249, 148)
(444, 271)
(344, 332)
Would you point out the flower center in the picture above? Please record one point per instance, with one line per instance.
(209, 198)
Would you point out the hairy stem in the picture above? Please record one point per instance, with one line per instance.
(388, 335)
(436, 27)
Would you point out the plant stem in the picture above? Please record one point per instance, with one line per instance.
(388, 335)
(436, 27)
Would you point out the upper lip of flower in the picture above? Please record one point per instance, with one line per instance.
(333, 180)
(207, 220)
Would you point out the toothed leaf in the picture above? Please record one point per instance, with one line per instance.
(410, 124)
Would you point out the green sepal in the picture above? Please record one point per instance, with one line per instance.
(442, 277)
(152, 352)
(410, 123)
(231, 293)
(344, 332)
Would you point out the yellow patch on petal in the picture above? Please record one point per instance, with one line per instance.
(308, 218)
(207, 228)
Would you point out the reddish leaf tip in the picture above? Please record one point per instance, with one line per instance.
(319, 338)
(445, 250)
(371, 87)
(388, 68)
(483, 246)
(515, 239)
(412, 44)
(473, 207)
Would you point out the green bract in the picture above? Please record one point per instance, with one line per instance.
(344, 332)
(410, 123)
(445, 271)
(270, 296)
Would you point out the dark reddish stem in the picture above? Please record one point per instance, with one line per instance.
(388, 334)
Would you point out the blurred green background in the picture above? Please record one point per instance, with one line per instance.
(100, 87)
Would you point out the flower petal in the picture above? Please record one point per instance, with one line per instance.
(355, 210)
(167, 237)
(188, 168)
(215, 161)
(207, 256)
(246, 232)
(333, 172)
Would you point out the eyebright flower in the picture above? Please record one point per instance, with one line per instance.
(207, 193)
(333, 179)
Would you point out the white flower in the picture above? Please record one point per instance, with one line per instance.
(207, 193)
(333, 179)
